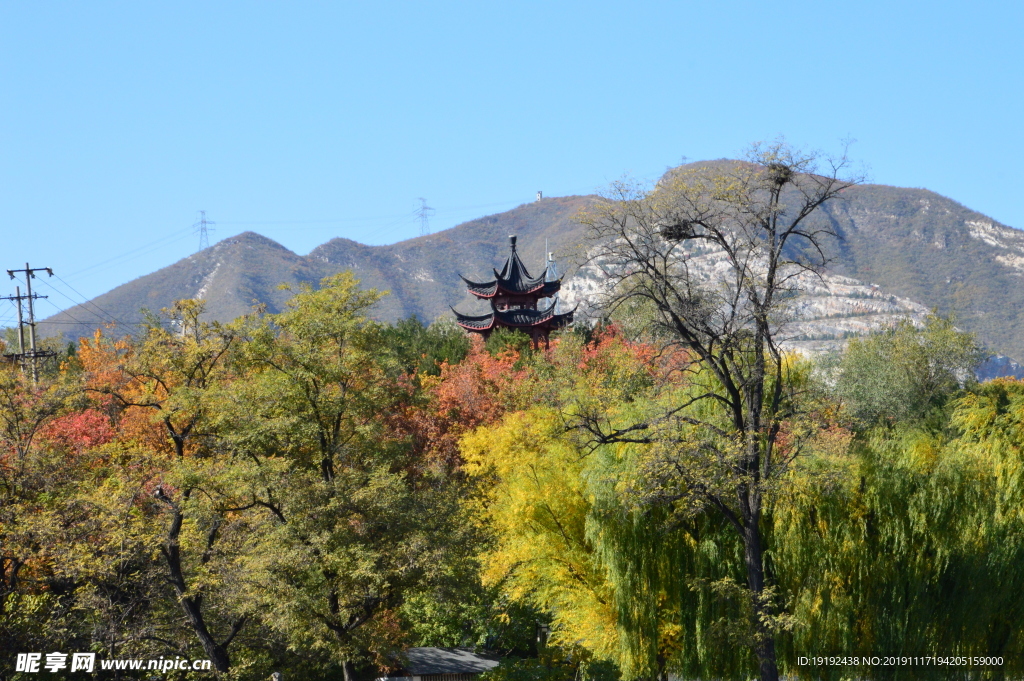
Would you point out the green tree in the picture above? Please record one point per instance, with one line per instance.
(422, 349)
(351, 518)
(502, 340)
(904, 372)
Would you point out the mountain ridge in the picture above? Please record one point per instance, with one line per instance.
(420, 273)
(911, 244)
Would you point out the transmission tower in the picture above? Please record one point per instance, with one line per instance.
(33, 354)
(203, 228)
(424, 212)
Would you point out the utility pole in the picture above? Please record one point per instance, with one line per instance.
(202, 228)
(18, 356)
(33, 354)
(424, 212)
(17, 298)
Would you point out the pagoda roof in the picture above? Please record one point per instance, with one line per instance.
(524, 318)
(514, 279)
(545, 289)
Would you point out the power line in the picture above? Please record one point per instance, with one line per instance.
(72, 323)
(57, 307)
(159, 243)
(440, 211)
(90, 302)
(311, 222)
(105, 316)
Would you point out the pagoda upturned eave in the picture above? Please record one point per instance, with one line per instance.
(540, 288)
(520, 319)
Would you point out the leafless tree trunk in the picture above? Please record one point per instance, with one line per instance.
(711, 259)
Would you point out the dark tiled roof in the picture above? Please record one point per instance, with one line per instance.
(424, 661)
(514, 278)
(478, 322)
(526, 317)
(485, 290)
(516, 318)
(544, 289)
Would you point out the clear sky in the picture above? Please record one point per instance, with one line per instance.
(305, 121)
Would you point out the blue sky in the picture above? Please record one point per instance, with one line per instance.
(306, 121)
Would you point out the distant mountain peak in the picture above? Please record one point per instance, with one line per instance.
(250, 239)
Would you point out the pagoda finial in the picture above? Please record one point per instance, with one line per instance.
(512, 241)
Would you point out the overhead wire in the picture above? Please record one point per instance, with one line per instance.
(362, 219)
(59, 310)
(76, 321)
(311, 222)
(392, 227)
(389, 228)
(104, 316)
(91, 303)
(385, 229)
(151, 246)
(394, 221)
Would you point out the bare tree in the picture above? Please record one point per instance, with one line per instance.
(714, 255)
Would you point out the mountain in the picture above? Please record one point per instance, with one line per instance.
(923, 246)
(899, 252)
(422, 274)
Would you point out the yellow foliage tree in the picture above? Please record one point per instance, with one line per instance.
(535, 500)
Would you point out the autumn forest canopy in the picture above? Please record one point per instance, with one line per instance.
(666, 490)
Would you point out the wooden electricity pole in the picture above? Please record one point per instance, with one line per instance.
(33, 354)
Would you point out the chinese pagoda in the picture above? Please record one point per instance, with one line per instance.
(514, 296)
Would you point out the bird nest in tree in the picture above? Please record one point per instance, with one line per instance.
(677, 231)
(779, 173)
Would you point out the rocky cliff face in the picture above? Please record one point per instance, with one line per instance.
(829, 309)
(927, 248)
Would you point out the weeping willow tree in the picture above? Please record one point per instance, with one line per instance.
(616, 580)
(670, 617)
(912, 543)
